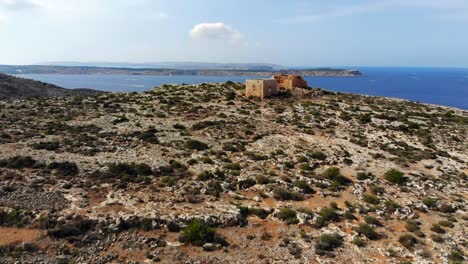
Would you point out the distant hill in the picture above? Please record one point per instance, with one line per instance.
(172, 65)
(46, 69)
(12, 87)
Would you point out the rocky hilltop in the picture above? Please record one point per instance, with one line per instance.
(202, 174)
(12, 87)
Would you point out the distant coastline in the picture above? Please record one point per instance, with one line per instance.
(47, 69)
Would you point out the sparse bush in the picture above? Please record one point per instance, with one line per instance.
(318, 155)
(198, 233)
(370, 198)
(367, 231)
(50, 146)
(408, 241)
(437, 229)
(262, 179)
(195, 145)
(359, 242)
(372, 220)
(395, 177)
(288, 216)
(304, 186)
(333, 174)
(64, 168)
(412, 226)
(284, 195)
(446, 224)
(429, 202)
(456, 256)
(327, 243)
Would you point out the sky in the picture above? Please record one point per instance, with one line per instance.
(430, 33)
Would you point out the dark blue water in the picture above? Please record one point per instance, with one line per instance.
(442, 86)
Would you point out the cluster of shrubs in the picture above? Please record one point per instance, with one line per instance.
(328, 243)
(283, 194)
(198, 232)
(334, 175)
(18, 162)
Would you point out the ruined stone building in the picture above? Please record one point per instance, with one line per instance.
(261, 88)
(289, 81)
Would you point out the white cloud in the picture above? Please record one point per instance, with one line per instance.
(216, 31)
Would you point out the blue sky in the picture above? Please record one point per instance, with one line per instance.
(293, 32)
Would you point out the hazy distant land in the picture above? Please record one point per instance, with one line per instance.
(245, 70)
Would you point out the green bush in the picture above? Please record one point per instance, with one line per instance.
(334, 175)
(288, 216)
(195, 145)
(285, 195)
(198, 233)
(372, 220)
(130, 169)
(367, 231)
(408, 241)
(304, 186)
(318, 155)
(456, 256)
(412, 226)
(262, 179)
(429, 202)
(370, 198)
(327, 243)
(446, 224)
(359, 242)
(437, 229)
(395, 176)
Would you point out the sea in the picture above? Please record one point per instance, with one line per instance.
(440, 86)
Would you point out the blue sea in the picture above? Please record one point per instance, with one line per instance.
(442, 86)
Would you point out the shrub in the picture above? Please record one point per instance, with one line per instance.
(429, 202)
(179, 126)
(437, 229)
(205, 175)
(246, 183)
(64, 168)
(437, 238)
(261, 213)
(198, 233)
(284, 195)
(195, 145)
(130, 169)
(168, 181)
(412, 226)
(367, 231)
(288, 216)
(329, 214)
(372, 220)
(456, 256)
(408, 241)
(446, 224)
(318, 155)
(369, 198)
(18, 162)
(47, 145)
(328, 242)
(262, 179)
(395, 177)
(364, 176)
(333, 174)
(359, 242)
(304, 186)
